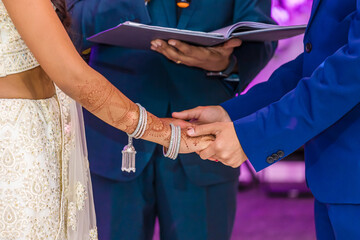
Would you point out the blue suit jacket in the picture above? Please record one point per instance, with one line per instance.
(157, 83)
(314, 100)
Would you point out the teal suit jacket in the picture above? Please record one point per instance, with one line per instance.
(160, 85)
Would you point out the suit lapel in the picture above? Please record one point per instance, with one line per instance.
(170, 11)
(186, 14)
(314, 8)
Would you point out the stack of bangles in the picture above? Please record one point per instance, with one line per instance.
(129, 152)
(174, 147)
(141, 127)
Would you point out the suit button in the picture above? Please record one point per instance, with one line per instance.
(270, 160)
(275, 156)
(308, 47)
(281, 154)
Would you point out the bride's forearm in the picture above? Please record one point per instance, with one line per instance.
(105, 101)
(58, 57)
(36, 20)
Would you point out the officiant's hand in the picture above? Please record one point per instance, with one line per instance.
(208, 58)
(203, 115)
(226, 148)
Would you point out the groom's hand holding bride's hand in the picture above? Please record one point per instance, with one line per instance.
(225, 148)
(215, 121)
(189, 144)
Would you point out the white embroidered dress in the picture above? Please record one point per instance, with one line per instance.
(45, 188)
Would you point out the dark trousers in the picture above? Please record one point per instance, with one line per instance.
(337, 221)
(127, 210)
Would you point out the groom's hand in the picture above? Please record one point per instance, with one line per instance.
(203, 115)
(226, 148)
(208, 58)
(177, 122)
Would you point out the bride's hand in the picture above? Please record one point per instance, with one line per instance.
(194, 144)
(189, 144)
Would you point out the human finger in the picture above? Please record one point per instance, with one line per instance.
(232, 43)
(207, 153)
(184, 48)
(205, 129)
(188, 114)
(170, 52)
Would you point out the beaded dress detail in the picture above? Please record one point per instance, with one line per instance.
(45, 186)
(15, 56)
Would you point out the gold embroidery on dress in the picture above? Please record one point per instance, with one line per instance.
(94, 234)
(36, 199)
(81, 195)
(72, 220)
(30, 145)
(78, 206)
(78, 190)
(15, 56)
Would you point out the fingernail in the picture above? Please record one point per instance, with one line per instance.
(190, 131)
(158, 43)
(153, 48)
(216, 160)
(172, 43)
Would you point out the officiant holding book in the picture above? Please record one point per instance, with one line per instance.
(184, 193)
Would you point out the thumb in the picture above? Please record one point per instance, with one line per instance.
(233, 43)
(187, 114)
(205, 129)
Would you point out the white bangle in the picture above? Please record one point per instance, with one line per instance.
(141, 126)
(178, 142)
(175, 140)
(167, 154)
(129, 152)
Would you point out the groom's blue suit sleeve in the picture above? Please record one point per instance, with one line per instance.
(316, 103)
(283, 80)
(95, 16)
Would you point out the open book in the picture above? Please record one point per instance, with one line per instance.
(139, 36)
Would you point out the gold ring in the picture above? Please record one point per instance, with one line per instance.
(178, 62)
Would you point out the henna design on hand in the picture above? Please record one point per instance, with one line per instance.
(194, 144)
(158, 129)
(102, 99)
(105, 101)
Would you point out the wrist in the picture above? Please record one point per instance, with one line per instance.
(131, 119)
(163, 138)
(158, 131)
(224, 115)
(227, 71)
(167, 138)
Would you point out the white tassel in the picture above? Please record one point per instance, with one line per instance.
(128, 157)
(128, 153)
